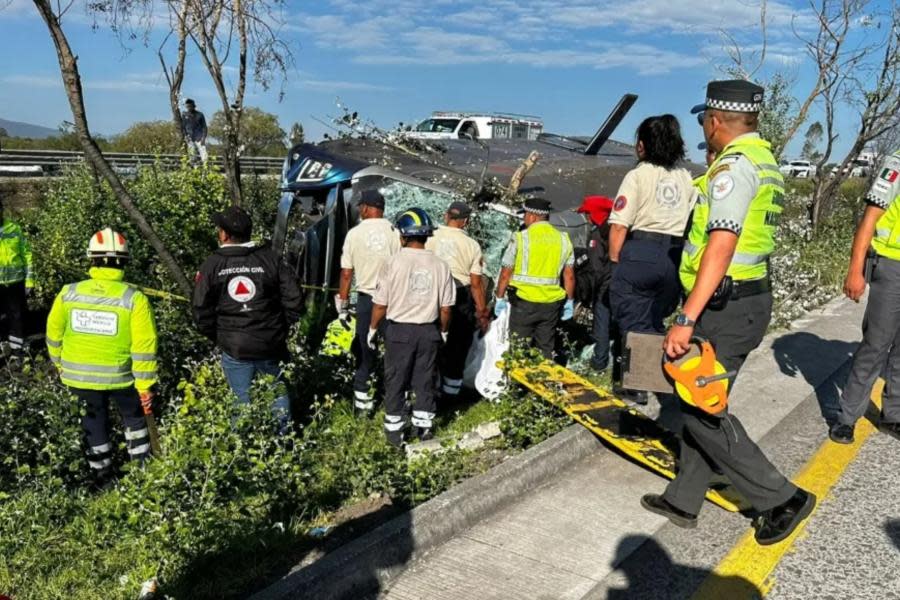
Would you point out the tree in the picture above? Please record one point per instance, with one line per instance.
(811, 141)
(778, 112)
(297, 136)
(149, 137)
(261, 135)
(68, 66)
(236, 36)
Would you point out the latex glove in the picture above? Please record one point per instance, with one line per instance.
(147, 402)
(370, 339)
(340, 305)
(500, 305)
(568, 310)
(444, 335)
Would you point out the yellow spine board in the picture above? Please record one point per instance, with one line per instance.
(629, 430)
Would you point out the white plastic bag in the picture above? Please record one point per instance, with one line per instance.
(490, 380)
(473, 361)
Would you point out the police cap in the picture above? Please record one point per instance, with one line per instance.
(732, 95)
(538, 206)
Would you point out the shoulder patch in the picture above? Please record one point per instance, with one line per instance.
(719, 169)
(621, 203)
(889, 175)
(721, 186)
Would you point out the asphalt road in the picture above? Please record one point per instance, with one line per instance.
(850, 549)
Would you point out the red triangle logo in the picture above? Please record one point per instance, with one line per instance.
(241, 288)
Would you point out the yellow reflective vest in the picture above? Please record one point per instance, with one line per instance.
(541, 255)
(757, 239)
(15, 255)
(886, 241)
(101, 334)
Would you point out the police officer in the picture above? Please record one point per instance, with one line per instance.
(533, 263)
(366, 248)
(102, 337)
(878, 229)
(16, 281)
(415, 293)
(245, 300)
(464, 257)
(724, 272)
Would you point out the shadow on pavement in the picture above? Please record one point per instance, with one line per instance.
(650, 574)
(804, 354)
(892, 528)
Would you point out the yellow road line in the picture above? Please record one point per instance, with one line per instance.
(750, 563)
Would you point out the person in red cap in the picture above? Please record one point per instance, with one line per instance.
(593, 274)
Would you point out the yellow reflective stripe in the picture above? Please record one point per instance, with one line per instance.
(778, 182)
(53, 343)
(738, 258)
(143, 356)
(114, 370)
(535, 280)
(883, 233)
(144, 374)
(139, 449)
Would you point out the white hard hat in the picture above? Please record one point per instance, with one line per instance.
(107, 244)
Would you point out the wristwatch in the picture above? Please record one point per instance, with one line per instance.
(682, 320)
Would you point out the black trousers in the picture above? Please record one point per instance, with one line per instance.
(708, 440)
(365, 356)
(535, 323)
(452, 357)
(410, 364)
(645, 288)
(13, 305)
(95, 424)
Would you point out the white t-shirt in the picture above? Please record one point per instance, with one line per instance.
(461, 252)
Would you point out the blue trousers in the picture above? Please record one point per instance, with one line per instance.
(240, 375)
(645, 288)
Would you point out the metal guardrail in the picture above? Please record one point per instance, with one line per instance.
(51, 162)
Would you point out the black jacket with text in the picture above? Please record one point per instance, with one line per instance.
(245, 300)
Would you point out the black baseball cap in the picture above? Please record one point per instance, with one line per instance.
(190, 102)
(459, 210)
(234, 220)
(372, 198)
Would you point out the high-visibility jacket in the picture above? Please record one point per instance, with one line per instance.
(101, 334)
(15, 255)
(757, 239)
(887, 229)
(541, 255)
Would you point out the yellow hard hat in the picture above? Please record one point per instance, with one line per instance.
(107, 243)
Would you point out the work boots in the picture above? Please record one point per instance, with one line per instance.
(657, 504)
(777, 524)
(841, 434)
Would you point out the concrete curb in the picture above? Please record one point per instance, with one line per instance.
(361, 566)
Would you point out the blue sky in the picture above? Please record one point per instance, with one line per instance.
(397, 60)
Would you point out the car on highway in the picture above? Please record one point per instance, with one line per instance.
(801, 169)
(859, 167)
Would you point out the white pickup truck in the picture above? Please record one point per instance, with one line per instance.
(447, 125)
(802, 169)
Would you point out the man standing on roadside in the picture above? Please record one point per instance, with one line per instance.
(464, 256)
(194, 124)
(533, 264)
(725, 274)
(366, 248)
(879, 230)
(16, 282)
(245, 300)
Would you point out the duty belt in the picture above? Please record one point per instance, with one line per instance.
(652, 236)
(751, 287)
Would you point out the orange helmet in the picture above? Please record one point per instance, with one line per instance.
(107, 244)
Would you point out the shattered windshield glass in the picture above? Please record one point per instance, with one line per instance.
(438, 125)
(491, 229)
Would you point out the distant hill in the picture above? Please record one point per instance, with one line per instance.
(27, 130)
